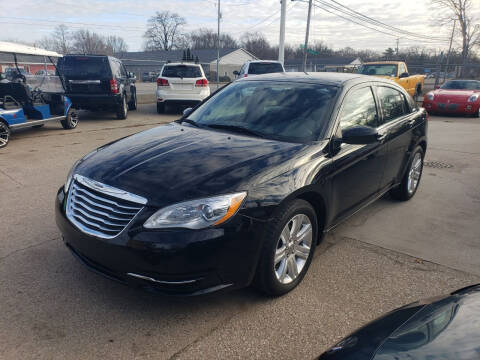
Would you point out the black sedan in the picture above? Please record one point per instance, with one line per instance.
(241, 189)
(443, 328)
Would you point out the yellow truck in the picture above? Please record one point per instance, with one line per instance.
(396, 71)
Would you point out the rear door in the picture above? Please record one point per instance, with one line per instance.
(86, 74)
(182, 78)
(396, 123)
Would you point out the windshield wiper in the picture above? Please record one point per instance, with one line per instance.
(190, 122)
(238, 129)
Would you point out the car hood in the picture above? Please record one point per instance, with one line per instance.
(172, 163)
(453, 95)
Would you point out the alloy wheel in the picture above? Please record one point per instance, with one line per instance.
(293, 248)
(415, 173)
(74, 118)
(4, 134)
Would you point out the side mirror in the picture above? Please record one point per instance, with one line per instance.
(359, 134)
(403, 75)
(236, 72)
(187, 112)
(437, 87)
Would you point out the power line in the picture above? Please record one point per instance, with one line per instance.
(384, 24)
(366, 26)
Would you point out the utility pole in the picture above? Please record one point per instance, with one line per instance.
(281, 46)
(396, 50)
(449, 50)
(219, 16)
(305, 48)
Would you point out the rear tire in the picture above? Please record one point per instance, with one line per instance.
(122, 109)
(161, 108)
(71, 120)
(288, 246)
(411, 180)
(133, 102)
(4, 134)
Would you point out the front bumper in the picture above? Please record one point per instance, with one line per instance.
(451, 108)
(177, 262)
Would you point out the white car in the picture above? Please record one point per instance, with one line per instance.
(259, 67)
(181, 83)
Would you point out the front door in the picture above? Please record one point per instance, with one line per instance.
(358, 168)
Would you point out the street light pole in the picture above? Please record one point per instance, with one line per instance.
(218, 41)
(281, 46)
(305, 48)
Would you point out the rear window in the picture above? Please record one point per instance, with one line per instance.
(182, 71)
(264, 68)
(85, 67)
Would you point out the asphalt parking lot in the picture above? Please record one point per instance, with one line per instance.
(387, 255)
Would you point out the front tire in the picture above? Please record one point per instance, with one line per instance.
(288, 247)
(4, 134)
(71, 121)
(122, 109)
(409, 185)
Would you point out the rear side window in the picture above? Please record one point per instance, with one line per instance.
(85, 67)
(393, 103)
(115, 68)
(181, 71)
(359, 109)
(264, 68)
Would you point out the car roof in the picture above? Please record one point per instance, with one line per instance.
(264, 61)
(182, 63)
(330, 78)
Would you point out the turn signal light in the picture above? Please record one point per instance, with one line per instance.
(162, 82)
(202, 83)
(114, 86)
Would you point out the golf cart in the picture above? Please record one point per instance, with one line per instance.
(32, 100)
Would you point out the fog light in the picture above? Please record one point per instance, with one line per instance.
(469, 107)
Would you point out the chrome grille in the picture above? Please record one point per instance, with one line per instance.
(99, 209)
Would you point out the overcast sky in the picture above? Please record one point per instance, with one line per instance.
(30, 20)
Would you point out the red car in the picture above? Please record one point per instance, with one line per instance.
(455, 97)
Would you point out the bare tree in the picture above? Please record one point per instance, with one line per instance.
(115, 45)
(87, 42)
(207, 39)
(460, 10)
(59, 40)
(258, 45)
(164, 31)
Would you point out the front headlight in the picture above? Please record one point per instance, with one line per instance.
(430, 96)
(197, 214)
(473, 98)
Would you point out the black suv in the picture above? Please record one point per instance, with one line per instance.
(98, 82)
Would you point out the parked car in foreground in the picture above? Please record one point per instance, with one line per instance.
(259, 67)
(99, 82)
(442, 328)
(396, 71)
(182, 84)
(242, 188)
(455, 97)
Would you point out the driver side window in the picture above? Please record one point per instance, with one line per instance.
(359, 108)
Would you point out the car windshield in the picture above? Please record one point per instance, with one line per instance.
(285, 111)
(84, 67)
(264, 68)
(182, 71)
(461, 85)
(378, 69)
